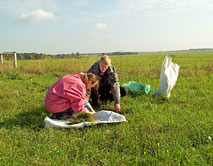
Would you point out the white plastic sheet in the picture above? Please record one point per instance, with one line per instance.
(102, 116)
(168, 76)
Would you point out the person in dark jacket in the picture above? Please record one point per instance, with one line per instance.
(109, 86)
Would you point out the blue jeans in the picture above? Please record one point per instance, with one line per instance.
(68, 112)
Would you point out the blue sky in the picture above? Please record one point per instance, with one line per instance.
(89, 26)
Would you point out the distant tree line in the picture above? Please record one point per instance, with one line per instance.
(33, 56)
(201, 49)
(122, 53)
(64, 56)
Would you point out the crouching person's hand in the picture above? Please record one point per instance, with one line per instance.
(117, 107)
(92, 110)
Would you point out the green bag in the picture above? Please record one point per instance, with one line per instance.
(138, 88)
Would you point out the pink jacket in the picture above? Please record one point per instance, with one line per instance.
(69, 91)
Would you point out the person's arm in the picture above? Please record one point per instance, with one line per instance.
(116, 92)
(77, 97)
(87, 105)
(77, 104)
(116, 96)
(115, 88)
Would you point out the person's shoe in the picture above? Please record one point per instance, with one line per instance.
(54, 116)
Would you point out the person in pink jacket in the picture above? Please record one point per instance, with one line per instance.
(68, 95)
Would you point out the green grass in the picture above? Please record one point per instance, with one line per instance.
(159, 131)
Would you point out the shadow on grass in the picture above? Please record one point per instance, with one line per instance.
(159, 99)
(123, 111)
(33, 119)
(127, 108)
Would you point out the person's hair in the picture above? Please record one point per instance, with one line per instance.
(105, 59)
(90, 77)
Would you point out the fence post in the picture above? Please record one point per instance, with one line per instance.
(1, 58)
(15, 60)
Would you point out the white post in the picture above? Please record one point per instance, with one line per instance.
(15, 60)
(2, 60)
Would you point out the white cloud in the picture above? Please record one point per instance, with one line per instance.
(37, 16)
(16, 7)
(21, 10)
(100, 26)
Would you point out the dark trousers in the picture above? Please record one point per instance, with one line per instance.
(68, 112)
(104, 94)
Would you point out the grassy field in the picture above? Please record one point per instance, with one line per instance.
(159, 131)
